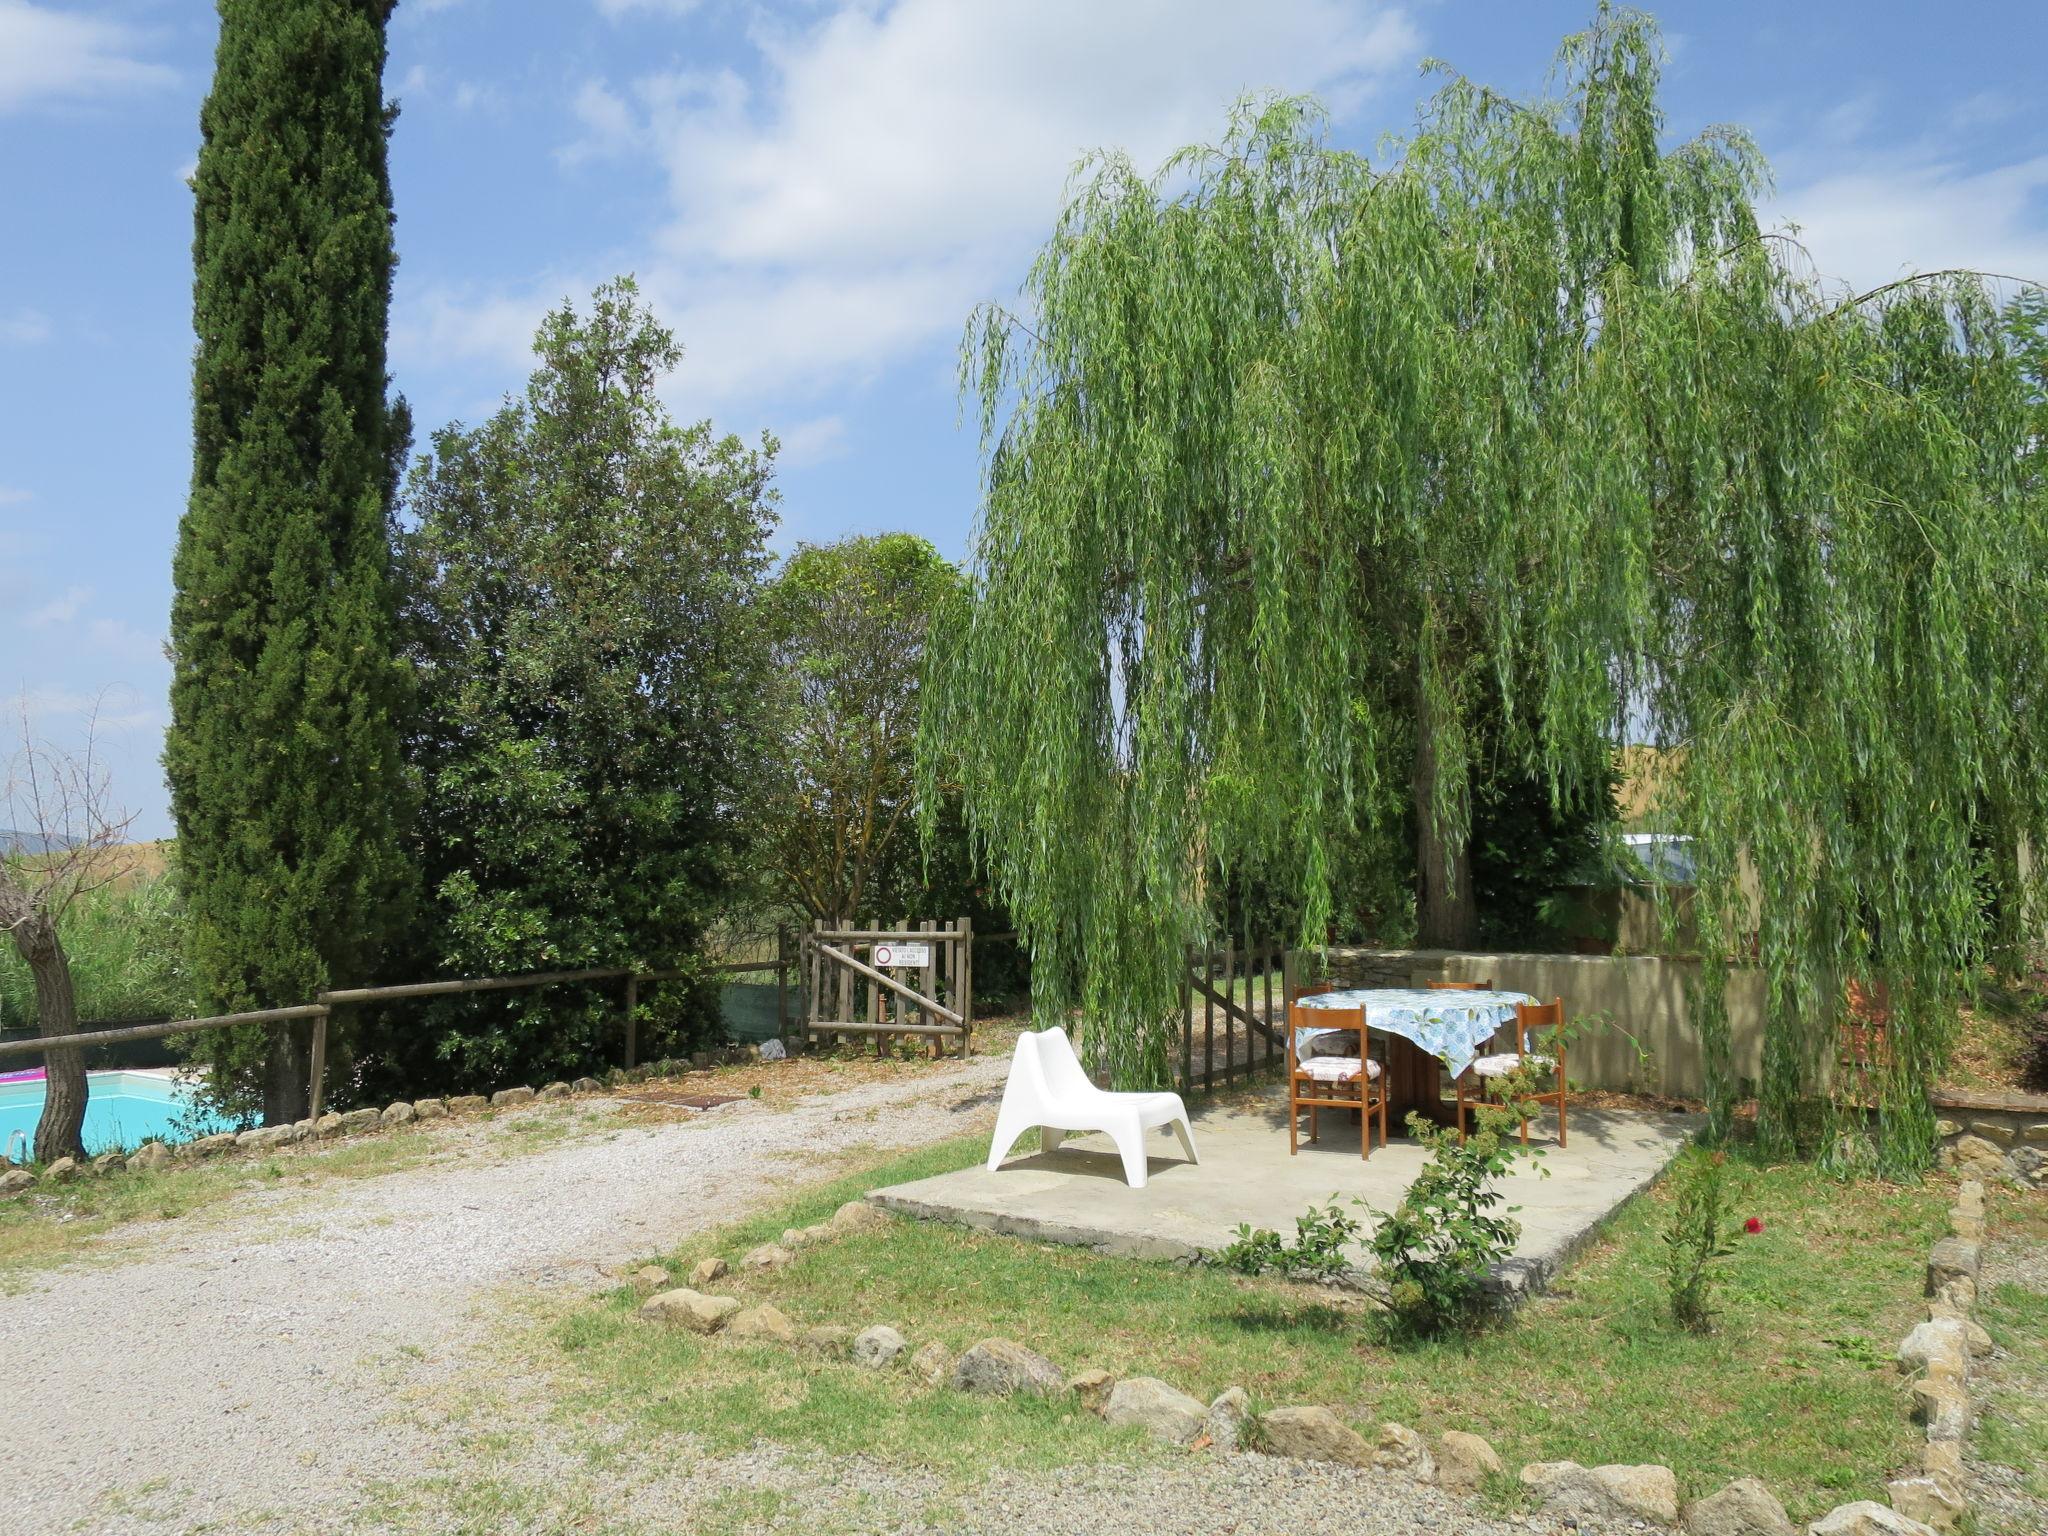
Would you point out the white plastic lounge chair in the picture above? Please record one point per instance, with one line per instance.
(1048, 1089)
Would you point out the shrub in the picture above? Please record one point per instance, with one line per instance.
(1696, 1238)
(1320, 1236)
(1437, 1247)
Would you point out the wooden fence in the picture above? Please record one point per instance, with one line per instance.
(322, 1008)
(1233, 1011)
(931, 999)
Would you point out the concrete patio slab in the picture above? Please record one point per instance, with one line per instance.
(1077, 1195)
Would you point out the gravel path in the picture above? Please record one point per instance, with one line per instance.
(239, 1374)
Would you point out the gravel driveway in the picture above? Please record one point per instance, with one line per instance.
(239, 1374)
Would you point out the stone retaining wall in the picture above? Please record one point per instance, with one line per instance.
(1994, 1135)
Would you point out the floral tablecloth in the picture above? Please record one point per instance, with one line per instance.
(1452, 1026)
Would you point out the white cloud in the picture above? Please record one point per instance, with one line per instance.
(24, 327)
(58, 610)
(612, 10)
(812, 442)
(119, 638)
(880, 170)
(52, 55)
(1888, 217)
(14, 496)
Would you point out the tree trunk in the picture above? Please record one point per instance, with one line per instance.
(287, 1085)
(1446, 917)
(63, 1118)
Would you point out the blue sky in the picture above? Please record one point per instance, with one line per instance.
(813, 194)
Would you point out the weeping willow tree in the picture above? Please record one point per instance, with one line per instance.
(1294, 462)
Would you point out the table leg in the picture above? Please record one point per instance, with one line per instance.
(1414, 1082)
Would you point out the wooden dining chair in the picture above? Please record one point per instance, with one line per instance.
(1346, 1082)
(1474, 1084)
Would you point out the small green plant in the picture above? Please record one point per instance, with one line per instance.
(1697, 1237)
(1437, 1247)
(1317, 1253)
(754, 1092)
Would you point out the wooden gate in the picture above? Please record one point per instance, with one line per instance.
(914, 980)
(1245, 992)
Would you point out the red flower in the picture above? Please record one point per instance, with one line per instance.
(1754, 1225)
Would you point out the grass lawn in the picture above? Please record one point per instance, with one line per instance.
(1796, 1386)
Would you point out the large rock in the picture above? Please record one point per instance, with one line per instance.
(649, 1278)
(795, 1239)
(1397, 1448)
(1953, 1258)
(1313, 1434)
(327, 1125)
(1934, 1499)
(61, 1171)
(1162, 1411)
(763, 1322)
(708, 1272)
(109, 1162)
(1866, 1518)
(555, 1091)
(267, 1137)
(361, 1120)
(856, 1216)
(1091, 1389)
(15, 1181)
(767, 1256)
(828, 1339)
(1465, 1461)
(463, 1103)
(150, 1155)
(1744, 1508)
(509, 1096)
(1005, 1368)
(587, 1085)
(879, 1347)
(1646, 1492)
(1943, 1406)
(685, 1308)
(210, 1146)
(1229, 1417)
(1973, 1154)
(1938, 1347)
(932, 1364)
(1997, 1132)
(401, 1113)
(429, 1109)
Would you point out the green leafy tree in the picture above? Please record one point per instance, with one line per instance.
(286, 695)
(847, 624)
(1297, 452)
(582, 583)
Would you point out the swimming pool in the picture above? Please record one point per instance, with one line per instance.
(122, 1110)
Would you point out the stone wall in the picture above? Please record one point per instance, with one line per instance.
(1995, 1135)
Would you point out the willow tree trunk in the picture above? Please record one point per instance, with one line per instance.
(58, 1131)
(1446, 917)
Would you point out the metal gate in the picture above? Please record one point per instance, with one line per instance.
(915, 980)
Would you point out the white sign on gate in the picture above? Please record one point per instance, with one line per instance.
(888, 955)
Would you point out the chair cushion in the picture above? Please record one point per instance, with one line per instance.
(1502, 1065)
(1337, 1069)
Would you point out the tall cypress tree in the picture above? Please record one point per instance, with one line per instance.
(283, 756)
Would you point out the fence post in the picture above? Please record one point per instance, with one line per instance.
(782, 982)
(314, 1094)
(632, 1022)
(966, 986)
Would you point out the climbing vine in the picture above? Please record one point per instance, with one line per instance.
(1294, 461)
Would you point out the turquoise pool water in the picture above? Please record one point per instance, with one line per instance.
(122, 1110)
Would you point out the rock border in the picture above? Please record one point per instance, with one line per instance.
(19, 1180)
(1937, 1354)
(1929, 1503)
